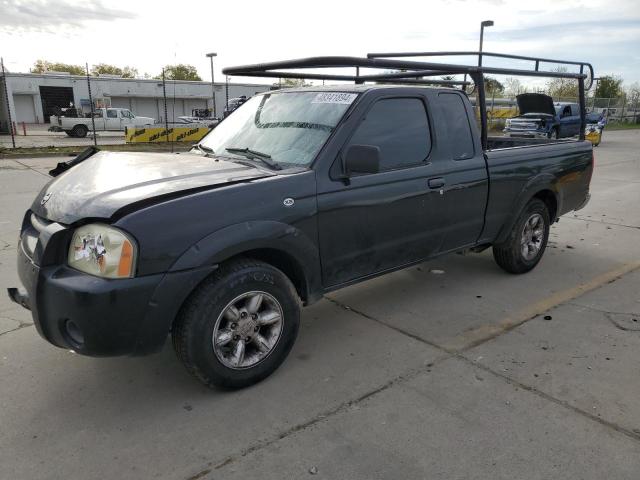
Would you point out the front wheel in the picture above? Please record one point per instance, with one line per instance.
(527, 240)
(553, 134)
(239, 325)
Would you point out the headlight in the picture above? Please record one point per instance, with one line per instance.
(103, 251)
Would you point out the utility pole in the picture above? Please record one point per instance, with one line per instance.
(6, 98)
(213, 88)
(166, 119)
(93, 120)
(485, 23)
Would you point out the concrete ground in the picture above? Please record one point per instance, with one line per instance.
(451, 369)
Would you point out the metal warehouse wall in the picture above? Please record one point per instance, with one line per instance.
(143, 97)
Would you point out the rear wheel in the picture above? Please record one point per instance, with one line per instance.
(527, 240)
(239, 325)
(80, 131)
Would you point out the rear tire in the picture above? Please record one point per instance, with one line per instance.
(239, 325)
(527, 240)
(80, 131)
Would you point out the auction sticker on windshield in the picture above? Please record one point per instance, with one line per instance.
(335, 97)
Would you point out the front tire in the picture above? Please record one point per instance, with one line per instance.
(239, 325)
(553, 134)
(527, 240)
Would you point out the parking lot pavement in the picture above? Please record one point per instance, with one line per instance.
(445, 370)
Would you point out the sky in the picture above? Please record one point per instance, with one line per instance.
(149, 34)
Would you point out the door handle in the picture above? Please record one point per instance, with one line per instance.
(436, 182)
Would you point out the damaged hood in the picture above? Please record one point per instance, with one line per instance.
(535, 103)
(109, 181)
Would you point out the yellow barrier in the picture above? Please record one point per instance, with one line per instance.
(160, 134)
(594, 136)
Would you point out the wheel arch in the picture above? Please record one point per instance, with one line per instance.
(281, 245)
(541, 187)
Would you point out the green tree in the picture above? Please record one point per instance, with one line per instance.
(609, 87)
(106, 69)
(493, 87)
(180, 71)
(42, 66)
(562, 87)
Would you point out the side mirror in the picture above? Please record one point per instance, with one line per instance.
(362, 159)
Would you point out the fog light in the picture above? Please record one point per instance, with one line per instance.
(74, 332)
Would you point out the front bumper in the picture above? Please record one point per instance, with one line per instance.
(525, 134)
(102, 317)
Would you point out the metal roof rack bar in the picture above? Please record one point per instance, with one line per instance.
(413, 72)
(536, 60)
(411, 68)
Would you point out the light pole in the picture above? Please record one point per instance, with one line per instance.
(213, 88)
(486, 23)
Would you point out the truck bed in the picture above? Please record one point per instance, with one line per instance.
(499, 142)
(518, 166)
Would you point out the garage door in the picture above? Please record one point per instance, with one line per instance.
(175, 109)
(145, 107)
(55, 98)
(25, 109)
(121, 102)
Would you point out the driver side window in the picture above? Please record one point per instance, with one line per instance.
(400, 128)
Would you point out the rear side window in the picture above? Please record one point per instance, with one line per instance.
(457, 125)
(399, 126)
(112, 113)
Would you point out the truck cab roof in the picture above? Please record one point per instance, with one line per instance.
(353, 88)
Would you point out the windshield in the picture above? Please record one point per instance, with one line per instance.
(289, 127)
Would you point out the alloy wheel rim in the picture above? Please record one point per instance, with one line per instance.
(247, 330)
(532, 236)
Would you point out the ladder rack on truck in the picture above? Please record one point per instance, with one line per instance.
(414, 72)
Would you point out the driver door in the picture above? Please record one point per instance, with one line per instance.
(381, 221)
(112, 120)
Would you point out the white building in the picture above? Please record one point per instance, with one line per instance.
(33, 97)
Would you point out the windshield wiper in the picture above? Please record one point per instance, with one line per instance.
(204, 149)
(254, 154)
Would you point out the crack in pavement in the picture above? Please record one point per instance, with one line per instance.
(629, 433)
(31, 168)
(19, 327)
(609, 315)
(413, 373)
(599, 310)
(603, 222)
(344, 406)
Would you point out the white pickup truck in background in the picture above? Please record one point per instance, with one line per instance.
(106, 119)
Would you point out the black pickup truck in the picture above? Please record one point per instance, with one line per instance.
(298, 193)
